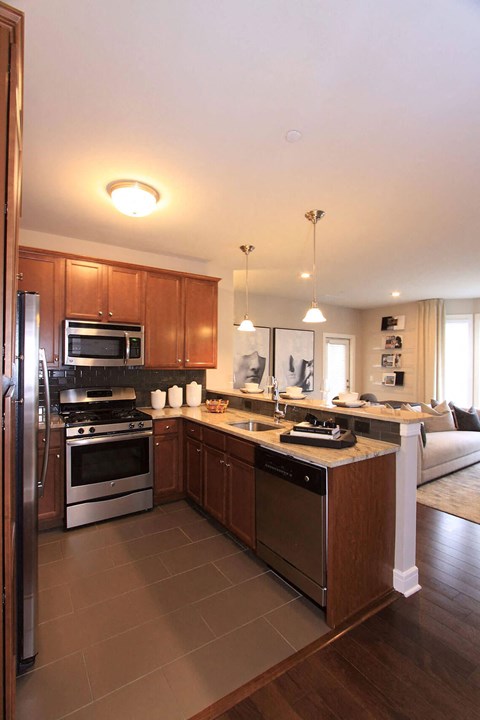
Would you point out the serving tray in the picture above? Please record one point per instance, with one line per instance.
(346, 439)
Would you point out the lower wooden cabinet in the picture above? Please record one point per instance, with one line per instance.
(229, 483)
(192, 438)
(51, 505)
(168, 482)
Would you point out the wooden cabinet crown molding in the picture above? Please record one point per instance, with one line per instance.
(117, 263)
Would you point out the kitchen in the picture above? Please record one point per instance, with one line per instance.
(59, 245)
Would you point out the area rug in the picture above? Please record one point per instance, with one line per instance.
(457, 493)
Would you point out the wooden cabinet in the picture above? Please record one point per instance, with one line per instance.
(167, 476)
(45, 274)
(229, 483)
(240, 505)
(106, 293)
(201, 301)
(51, 505)
(181, 318)
(192, 435)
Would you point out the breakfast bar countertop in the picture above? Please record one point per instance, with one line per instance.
(364, 449)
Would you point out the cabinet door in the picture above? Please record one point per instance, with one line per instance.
(167, 482)
(85, 290)
(45, 274)
(194, 470)
(164, 321)
(50, 506)
(126, 294)
(200, 323)
(241, 500)
(214, 482)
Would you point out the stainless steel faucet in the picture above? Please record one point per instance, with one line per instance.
(277, 413)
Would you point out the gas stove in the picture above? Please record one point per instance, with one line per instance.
(99, 411)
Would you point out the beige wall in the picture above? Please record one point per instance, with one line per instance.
(222, 375)
(270, 311)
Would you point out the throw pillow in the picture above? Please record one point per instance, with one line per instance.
(466, 419)
(441, 417)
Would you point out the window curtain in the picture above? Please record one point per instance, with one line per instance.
(431, 350)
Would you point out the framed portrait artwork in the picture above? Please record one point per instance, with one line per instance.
(251, 356)
(388, 379)
(293, 358)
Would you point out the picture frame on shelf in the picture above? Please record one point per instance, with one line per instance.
(391, 360)
(293, 358)
(391, 322)
(251, 356)
(393, 342)
(388, 379)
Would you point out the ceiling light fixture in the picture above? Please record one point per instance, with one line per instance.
(133, 198)
(396, 293)
(246, 325)
(305, 275)
(314, 314)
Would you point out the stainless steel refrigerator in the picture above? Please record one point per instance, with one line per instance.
(30, 472)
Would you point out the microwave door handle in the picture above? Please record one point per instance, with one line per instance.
(43, 476)
(127, 347)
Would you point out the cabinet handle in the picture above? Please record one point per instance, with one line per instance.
(58, 456)
(20, 276)
(100, 313)
(227, 464)
(157, 444)
(179, 360)
(167, 427)
(222, 462)
(187, 359)
(198, 450)
(110, 314)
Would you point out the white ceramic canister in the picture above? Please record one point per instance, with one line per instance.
(194, 394)
(158, 398)
(175, 396)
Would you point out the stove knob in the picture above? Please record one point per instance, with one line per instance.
(140, 424)
(91, 430)
(131, 426)
(81, 431)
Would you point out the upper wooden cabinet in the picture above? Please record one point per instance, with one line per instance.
(45, 274)
(106, 293)
(181, 318)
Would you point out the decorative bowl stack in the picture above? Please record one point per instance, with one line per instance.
(216, 406)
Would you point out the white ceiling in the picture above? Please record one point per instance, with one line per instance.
(195, 97)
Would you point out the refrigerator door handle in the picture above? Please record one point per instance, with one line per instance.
(43, 476)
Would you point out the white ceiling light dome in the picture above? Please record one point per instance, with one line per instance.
(133, 198)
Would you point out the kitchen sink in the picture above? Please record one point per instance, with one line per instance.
(254, 425)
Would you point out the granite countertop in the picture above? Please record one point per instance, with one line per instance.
(365, 447)
(375, 412)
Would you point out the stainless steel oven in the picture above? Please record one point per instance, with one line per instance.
(109, 455)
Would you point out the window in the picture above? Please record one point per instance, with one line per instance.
(459, 360)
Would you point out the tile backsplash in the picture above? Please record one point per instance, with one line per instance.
(144, 381)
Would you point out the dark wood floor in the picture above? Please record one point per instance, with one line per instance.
(417, 658)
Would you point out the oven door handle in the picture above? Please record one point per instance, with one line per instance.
(98, 439)
(127, 346)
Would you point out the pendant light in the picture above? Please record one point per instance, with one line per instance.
(314, 314)
(246, 325)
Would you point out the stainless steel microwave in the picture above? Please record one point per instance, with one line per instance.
(102, 344)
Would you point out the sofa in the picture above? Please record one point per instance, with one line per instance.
(450, 440)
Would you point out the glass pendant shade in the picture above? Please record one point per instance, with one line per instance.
(314, 314)
(133, 198)
(246, 325)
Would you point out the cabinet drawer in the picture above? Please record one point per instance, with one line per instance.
(165, 427)
(241, 449)
(193, 430)
(214, 438)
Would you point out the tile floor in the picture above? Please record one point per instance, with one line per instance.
(155, 617)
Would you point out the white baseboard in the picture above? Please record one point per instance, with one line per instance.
(406, 582)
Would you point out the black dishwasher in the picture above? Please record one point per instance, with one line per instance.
(291, 505)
